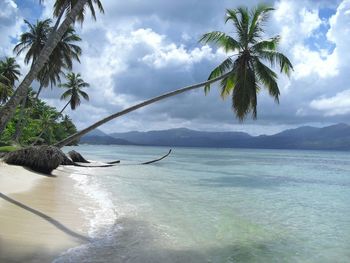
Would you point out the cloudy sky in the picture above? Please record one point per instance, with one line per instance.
(139, 49)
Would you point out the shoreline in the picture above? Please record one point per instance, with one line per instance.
(40, 216)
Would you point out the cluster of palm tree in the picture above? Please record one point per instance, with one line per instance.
(241, 75)
(61, 59)
(9, 74)
(50, 50)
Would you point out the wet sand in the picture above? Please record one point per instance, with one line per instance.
(39, 215)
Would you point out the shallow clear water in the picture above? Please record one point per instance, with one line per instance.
(217, 205)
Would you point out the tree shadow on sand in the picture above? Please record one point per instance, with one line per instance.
(49, 219)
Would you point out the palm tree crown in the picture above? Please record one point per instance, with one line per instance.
(247, 70)
(61, 57)
(61, 6)
(9, 73)
(10, 70)
(34, 40)
(74, 90)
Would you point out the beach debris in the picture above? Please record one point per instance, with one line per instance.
(77, 157)
(157, 160)
(43, 159)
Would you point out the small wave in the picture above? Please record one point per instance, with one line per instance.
(101, 217)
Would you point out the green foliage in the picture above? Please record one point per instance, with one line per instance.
(65, 6)
(8, 148)
(41, 120)
(9, 73)
(74, 91)
(33, 41)
(245, 68)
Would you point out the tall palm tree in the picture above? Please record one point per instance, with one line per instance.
(74, 90)
(9, 74)
(241, 77)
(33, 41)
(248, 72)
(8, 110)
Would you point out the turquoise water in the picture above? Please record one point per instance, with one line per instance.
(217, 205)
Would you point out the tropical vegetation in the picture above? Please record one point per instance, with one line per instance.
(73, 9)
(44, 124)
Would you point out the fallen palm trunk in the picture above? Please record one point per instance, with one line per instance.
(157, 160)
(94, 166)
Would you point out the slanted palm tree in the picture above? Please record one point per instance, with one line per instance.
(9, 73)
(72, 12)
(241, 77)
(74, 90)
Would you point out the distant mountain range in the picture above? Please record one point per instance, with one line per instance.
(335, 137)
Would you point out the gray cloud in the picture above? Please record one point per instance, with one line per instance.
(140, 49)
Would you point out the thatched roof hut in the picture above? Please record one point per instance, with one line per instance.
(42, 159)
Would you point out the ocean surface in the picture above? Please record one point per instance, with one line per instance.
(215, 205)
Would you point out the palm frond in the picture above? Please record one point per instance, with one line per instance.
(259, 15)
(276, 58)
(220, 70)
(267, 77)
(222, 40)
(269, 44)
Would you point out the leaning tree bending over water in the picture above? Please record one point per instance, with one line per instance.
(241, 75)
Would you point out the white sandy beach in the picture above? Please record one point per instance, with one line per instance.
(39, 215)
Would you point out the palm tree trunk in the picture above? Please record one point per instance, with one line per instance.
(38, 93)
(21, 92)
(19, 125)
(77, 135)
(64, 108)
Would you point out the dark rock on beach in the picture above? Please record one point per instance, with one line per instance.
(42, 159)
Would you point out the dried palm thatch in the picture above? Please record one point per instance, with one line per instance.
(77, 157)
(42, 159)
